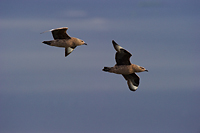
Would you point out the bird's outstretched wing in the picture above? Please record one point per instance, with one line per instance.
(122, 56)
(59, 33)
(132, 80)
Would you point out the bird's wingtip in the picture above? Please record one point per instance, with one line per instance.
(116, 46)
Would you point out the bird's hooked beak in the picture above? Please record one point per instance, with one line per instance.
(146, 70)
(84, 43)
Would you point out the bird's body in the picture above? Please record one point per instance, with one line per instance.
(125, 67)
(73, 42)
(62, 39)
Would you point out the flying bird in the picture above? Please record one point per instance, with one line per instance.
(125, 67)
(62, 39)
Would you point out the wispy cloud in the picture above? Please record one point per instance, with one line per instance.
(74, 13)
(101, 23)
(38, 23)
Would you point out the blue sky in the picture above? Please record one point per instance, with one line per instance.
(42, 91)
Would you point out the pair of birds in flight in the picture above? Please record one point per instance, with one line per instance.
(122, 56)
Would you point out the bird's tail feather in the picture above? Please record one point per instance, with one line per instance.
(47, 42)
(106, 69)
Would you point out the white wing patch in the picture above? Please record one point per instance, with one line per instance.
(131, 86)
(68, 50)
(117, 48)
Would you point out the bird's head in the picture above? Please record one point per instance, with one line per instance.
(141, 69)
(80, 42)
